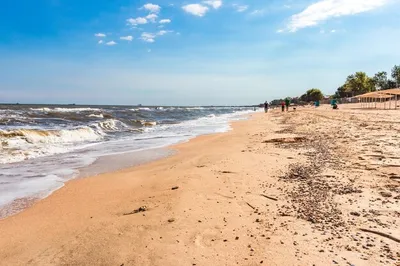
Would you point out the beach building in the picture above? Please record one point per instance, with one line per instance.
(385, 99)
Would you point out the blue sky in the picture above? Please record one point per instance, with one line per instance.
(189, 52)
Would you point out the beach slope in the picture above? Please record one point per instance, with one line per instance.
(279, 189)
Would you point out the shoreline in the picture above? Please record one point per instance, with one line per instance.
(229, 199)
(100, 165)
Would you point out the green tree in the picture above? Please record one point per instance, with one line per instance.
(312, 95)
(381, 80)
(276, 102)
(391, 84)
(303, 97)
(341, 92)
(359, 83)
(396, 74)
(296, 100)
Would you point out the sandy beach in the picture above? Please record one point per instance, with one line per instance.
(310, 187)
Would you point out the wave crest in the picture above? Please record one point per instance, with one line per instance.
(64, 110)
(51, 136)
(96, 115)
(145, 123)
(110, 125)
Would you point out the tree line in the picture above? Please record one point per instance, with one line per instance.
(311, 95)
(355, 84)
(360, 83)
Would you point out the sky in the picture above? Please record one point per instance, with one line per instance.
(167, 52)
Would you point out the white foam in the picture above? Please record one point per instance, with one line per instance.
(146, 123)
(205, 125)
(97, 116)
(194, 108)
(64, 110)
(35, 187)
(31, 143)
(110, 125)
(142, 109)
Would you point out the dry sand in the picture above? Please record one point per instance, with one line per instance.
(326, 174)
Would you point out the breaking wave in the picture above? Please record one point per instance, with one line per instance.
(96, 115)
(141, 109)
(110, 125)
(21, 144)
(145, 123)
(26, 143)
(194, 108)
(51, 136)
(64, 110)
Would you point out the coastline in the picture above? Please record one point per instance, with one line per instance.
(102, 165)
(124, 161)
(41, 176)
(38, 161)
(216, 215)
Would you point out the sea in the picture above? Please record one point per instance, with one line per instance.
(43, 146)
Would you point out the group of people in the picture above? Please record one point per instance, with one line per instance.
(284, 104)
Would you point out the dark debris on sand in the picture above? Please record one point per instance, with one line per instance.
(141, 209)
(314, 186)
(312, 194)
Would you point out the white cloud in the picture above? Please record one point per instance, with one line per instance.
(287, 6)
(148, 37)
(326, 9)
(163, 32)
(101, 35)
(137, 28)
(214, 3)
(126, 38)
(137, 21)
(195, 9)
(240, 8)
(333, 31)
(279, 31)
(100, 42)
(152, 17)
(164, 21)
(257, 12)
(152, 8)
(111, 43)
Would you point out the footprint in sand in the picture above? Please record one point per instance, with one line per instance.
(207, 238)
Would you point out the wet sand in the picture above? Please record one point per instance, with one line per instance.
(280, 189)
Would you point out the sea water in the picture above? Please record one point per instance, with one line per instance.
(42, 147)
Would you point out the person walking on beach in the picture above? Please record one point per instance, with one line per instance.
(287, 103)
(266, 106)
(283, 106)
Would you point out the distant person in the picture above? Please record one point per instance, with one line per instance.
(287, 103)
(266, 107)
(283, 106)
(334, 104)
